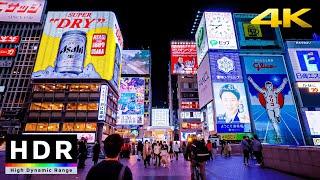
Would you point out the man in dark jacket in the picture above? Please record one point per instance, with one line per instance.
(257, 149)
(140, 150)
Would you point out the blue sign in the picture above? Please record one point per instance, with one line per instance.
(225, 67)
(309, 60)
(231, 128)
(271, 102)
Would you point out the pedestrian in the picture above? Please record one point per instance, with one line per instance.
(250, 141)
(171, 153)
(110, 168)
(245, 149)
(222, 142)
(139, 149)
(209, 147)
(184, 150)
(257, 149)
(164, 154)
(152, 152)
(176, 150)
(96, 152)
(228, 147)
(146, 153)
(82, 153)
(157, 150)
(214, 148)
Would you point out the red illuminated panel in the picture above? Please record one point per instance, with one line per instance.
(8, 52)
(184, 58)
(190, 105)
(185, 125)
(98, 47)
(9, 39)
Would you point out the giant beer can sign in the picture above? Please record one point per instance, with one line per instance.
(78, 45)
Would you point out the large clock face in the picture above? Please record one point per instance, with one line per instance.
(221, 26)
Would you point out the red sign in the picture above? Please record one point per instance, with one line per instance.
(9, 39)
(98, 47)
(184, 58)
(185, 125)
(8, 52)
(190, 105)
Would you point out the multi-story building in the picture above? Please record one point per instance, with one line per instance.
(22, 37)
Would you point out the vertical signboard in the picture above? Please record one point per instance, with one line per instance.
(232, 115)
(225, 67)
(131, 101)
(201, 40)
(103, 103)
(305, 60)
(220, 30)
(204, 82)
(271, 101)
(210, 120)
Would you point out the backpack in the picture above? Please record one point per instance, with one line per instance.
(200, 152)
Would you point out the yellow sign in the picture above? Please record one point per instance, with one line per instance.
(252, 30)
(76, 45)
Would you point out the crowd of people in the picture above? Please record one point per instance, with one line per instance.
(251, 148)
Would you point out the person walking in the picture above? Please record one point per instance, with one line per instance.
(171, 153)
(245, 149)
(184, 150)
(228, 147)
(146, 153)
(82, 153)
(139, 149)
(96, 152)
(222, 142)
(209, 147)
(214, 148)
(257, 149)
(111, 168)
(176, 150)
(156, 150)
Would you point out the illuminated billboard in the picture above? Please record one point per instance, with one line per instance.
(220, 30)
(185, 135)
(201, 41)
(271, 101)
(21, 10)
(309, 93)
(160, 117)
(76, 45)
(225, 67)
(204, 82)
(131, 101)
(136, 62)
(313, 118)
(232, 114)
(183, 58)
(190, 115)
(305, 60)
(210, 120)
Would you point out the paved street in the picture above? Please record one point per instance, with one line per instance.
(220, 168)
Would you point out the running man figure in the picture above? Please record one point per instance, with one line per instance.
(272, 105)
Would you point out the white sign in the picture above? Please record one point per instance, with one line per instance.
(220, 30)
(103, 103)
(190, 115)
(305, 63)
(210, 120)
(201, 41)
(204, 83)
(160, 117)
(2, 88)
(313, 118)
(316, 141)
(21, 10)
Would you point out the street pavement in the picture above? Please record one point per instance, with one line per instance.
(219, 168)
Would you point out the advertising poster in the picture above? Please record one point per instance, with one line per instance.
(232, 115)
(305, 60)
(309, 93)
(220, 30)
(252, 30)
(185, 135)
(136, 62)
(78, 45)
(272, 105)
(21, 10)
(131, 101)
(210, 120)
(313, 118)
(201, 41)
(183, 59)
(225, 67)
(160, 117)
(204, 82)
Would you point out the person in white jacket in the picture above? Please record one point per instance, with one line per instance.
(176, 150)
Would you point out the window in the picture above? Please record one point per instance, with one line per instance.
(72, 106)
(42, 127)
(91, 126)
(67, 127)
(74, 87)
(35, 106)
(185, 85)
(31, 127)
(80, 127)
(92, 106)
(53, 127)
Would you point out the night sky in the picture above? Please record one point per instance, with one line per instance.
(153, 24)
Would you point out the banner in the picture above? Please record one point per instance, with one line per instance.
(225, 67)
(21, 10)
(131, 101)
(272, 104)
(232, 115)
(204, 83)
(183, 59)
(76, 45)
(136, 62)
